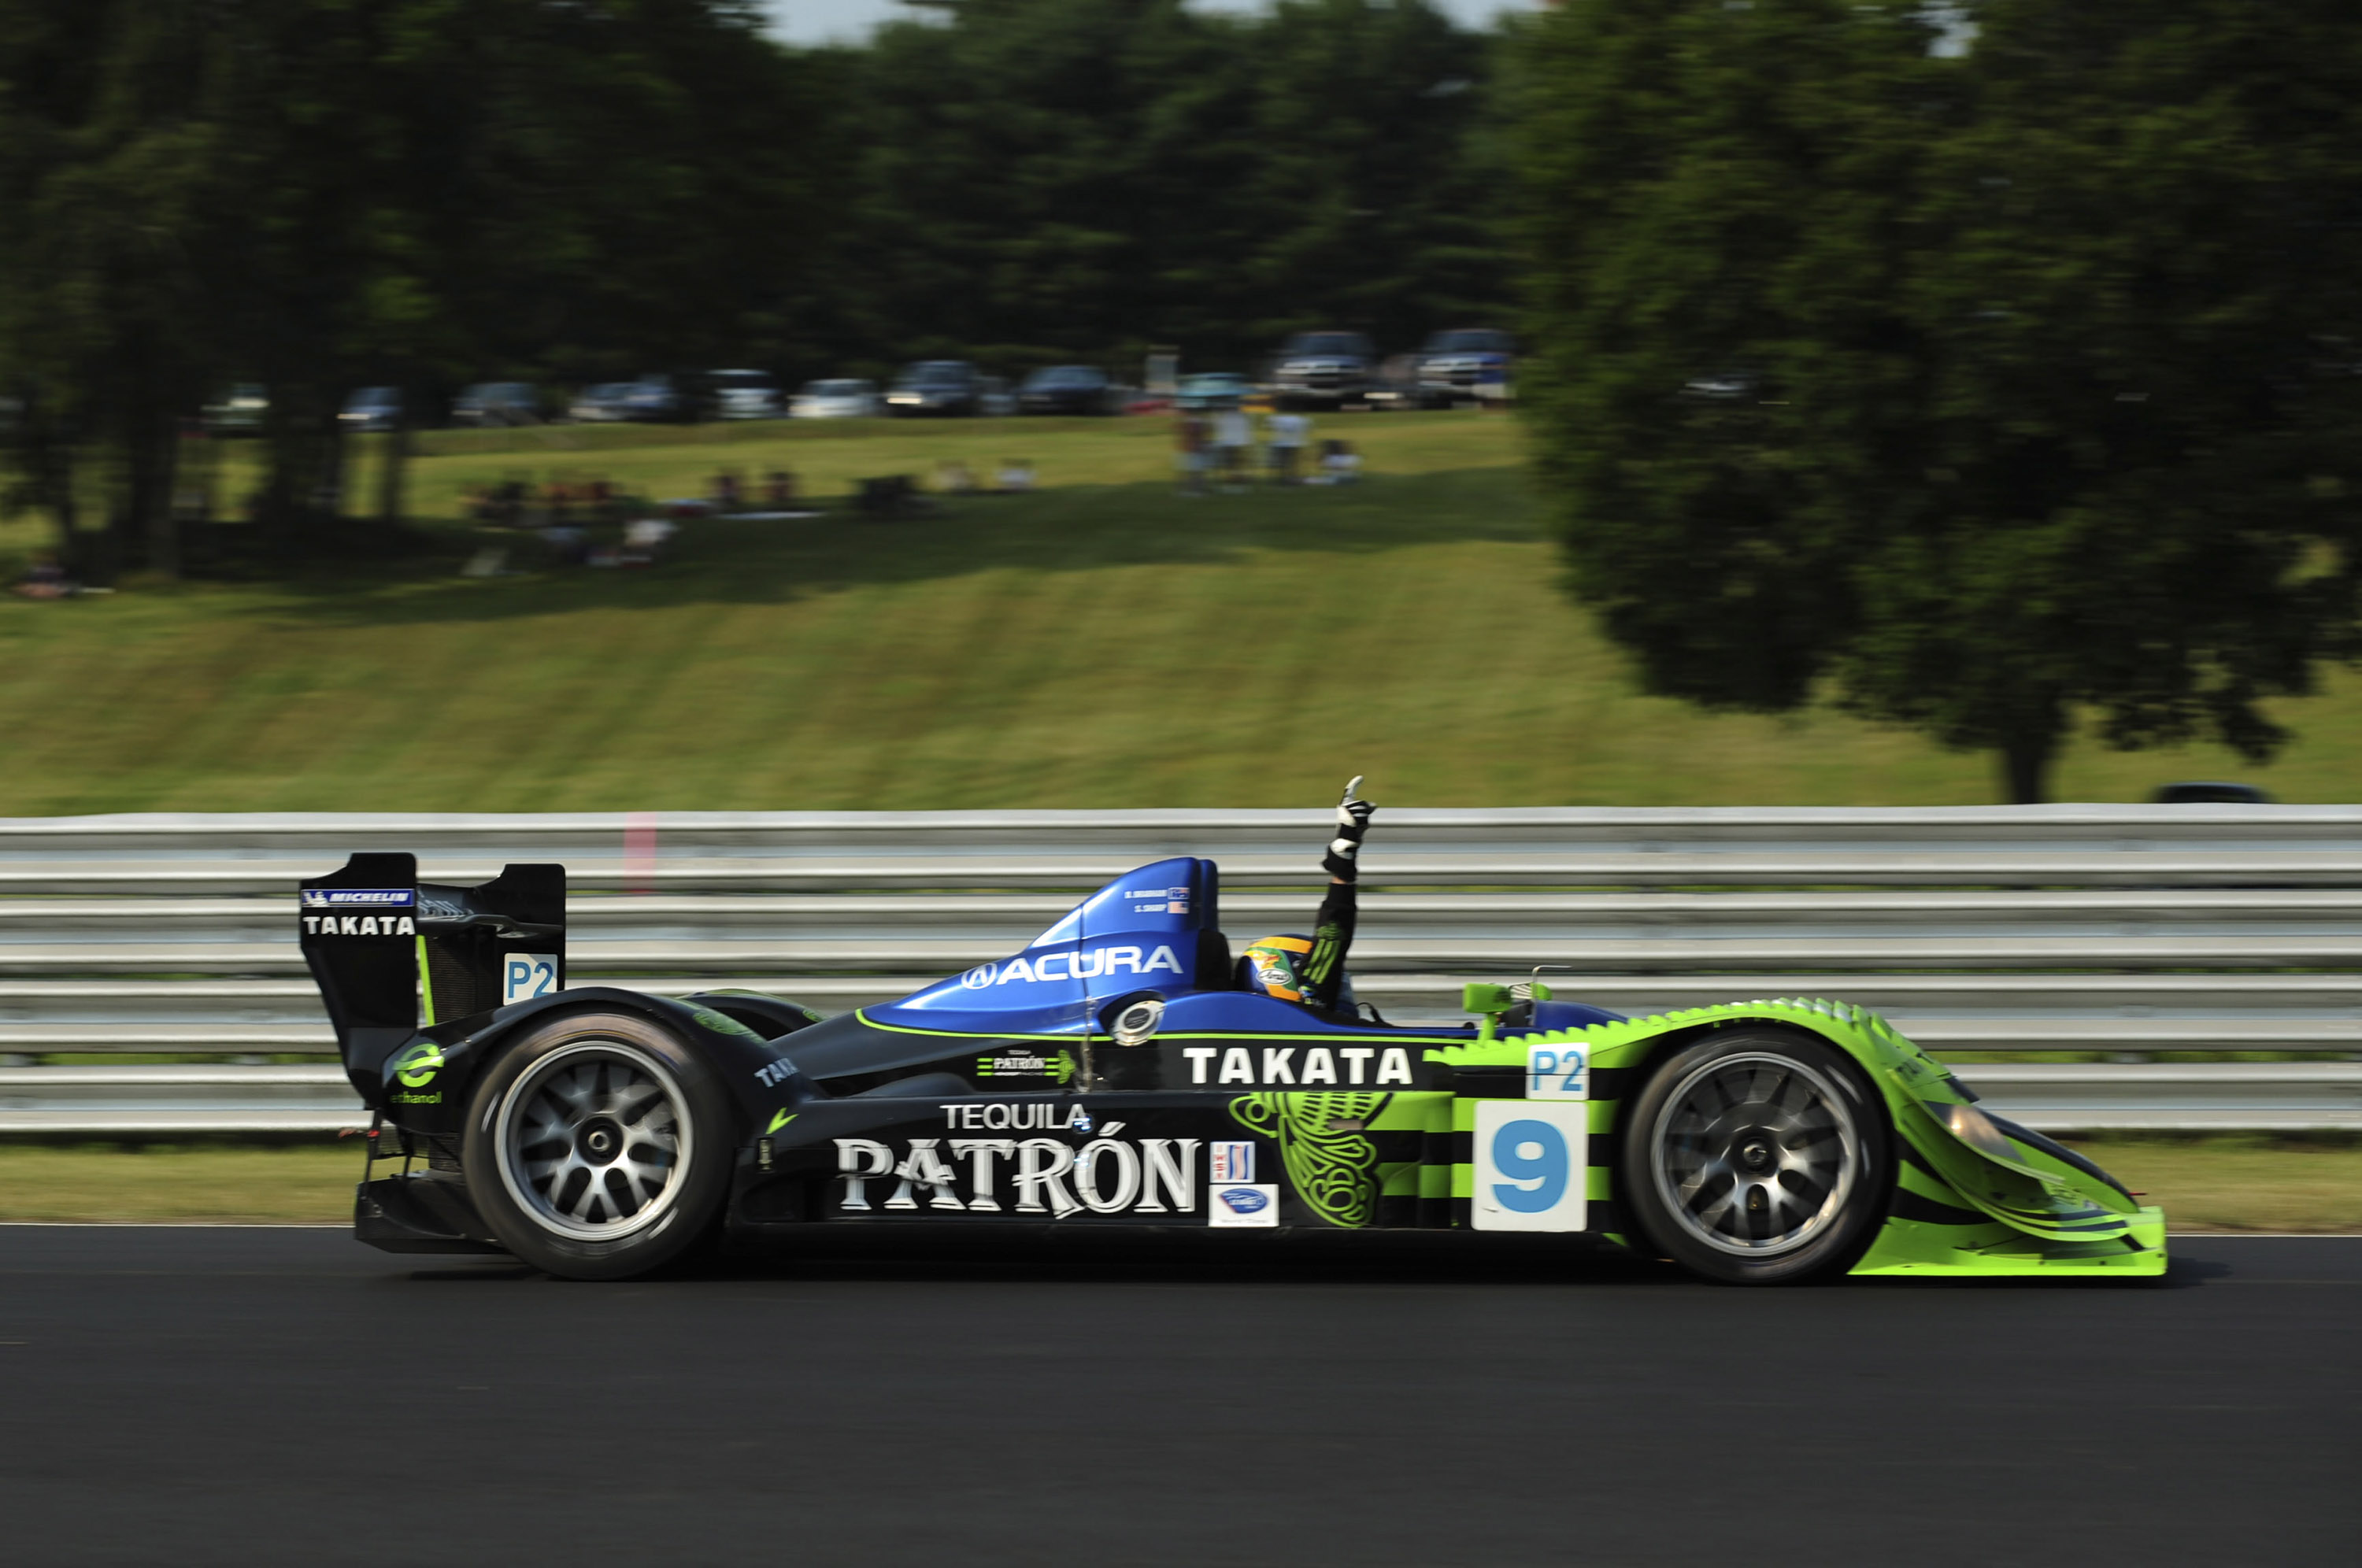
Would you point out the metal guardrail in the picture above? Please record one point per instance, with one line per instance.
(2126, 930)
(2199, 1095)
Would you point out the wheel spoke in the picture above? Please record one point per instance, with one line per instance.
(1754, 1153)
(593, 1145)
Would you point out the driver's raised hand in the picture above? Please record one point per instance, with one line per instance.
(1353, 821)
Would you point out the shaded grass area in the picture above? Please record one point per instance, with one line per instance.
(1105, 642)
(2206, 1184)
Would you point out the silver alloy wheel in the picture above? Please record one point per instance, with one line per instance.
(594, 1141)
(1755, 1154)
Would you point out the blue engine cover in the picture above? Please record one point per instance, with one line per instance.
(1153, 929)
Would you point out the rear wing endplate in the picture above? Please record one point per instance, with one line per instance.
(387, 949)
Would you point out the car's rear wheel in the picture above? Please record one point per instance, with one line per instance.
(1758, 1156)
(597, 1146)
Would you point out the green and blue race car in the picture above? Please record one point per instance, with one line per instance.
(1116, 1073)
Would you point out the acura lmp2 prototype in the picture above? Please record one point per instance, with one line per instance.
(1113, 1073)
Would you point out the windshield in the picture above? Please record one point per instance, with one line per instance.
(742, 380)
(1064, 376)
(1469, 343)
(935, 372)
(836, 389)
(1350, 343)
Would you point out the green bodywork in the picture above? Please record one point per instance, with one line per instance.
(2008, 1208)
(1968, 1198)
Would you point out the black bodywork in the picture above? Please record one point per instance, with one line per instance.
(917, 1108)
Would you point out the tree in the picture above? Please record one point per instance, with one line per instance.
(110, 166)
(320, 194)
(1058, 179)
(1977, 394)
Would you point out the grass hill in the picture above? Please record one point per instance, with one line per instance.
(1106, 642)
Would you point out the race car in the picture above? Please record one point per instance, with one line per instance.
(1115, 1072)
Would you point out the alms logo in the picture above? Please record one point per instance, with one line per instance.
(1079, 964)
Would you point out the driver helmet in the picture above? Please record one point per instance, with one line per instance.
(1274, 965)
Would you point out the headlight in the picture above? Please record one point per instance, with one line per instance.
(1975, 1128)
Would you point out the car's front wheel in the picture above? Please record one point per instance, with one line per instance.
(1758, 1156)
(597, 1146)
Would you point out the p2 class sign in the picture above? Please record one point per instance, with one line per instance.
(1532, 1165)
(1557, 1072)
(525, 976)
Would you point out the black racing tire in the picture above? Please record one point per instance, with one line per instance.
(598, 1146)
(1758, 1156)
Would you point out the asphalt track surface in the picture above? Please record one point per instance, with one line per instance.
(197, 1395)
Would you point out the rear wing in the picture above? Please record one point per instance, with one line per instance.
(386, 948)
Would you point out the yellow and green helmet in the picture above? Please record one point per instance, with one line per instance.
(1274, 965)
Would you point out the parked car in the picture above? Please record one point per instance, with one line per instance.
(497, 403)
(994, 397)
(1323, 369)
(847, 398)
(655, 399)
(1723, 386)
(1465, 364)
(936, 386)
(2213, 792)
(601, 403)
(1066, 389)
(1214, 388)
(241, 411)
(744, 394)
(373, 408)
(1394, 384)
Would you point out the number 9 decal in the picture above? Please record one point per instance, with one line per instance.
(1530, 1165)
(1532, 1154)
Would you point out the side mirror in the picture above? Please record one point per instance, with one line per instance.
(1488, 1002)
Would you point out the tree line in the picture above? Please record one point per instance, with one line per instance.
(1990, 382)
(322, 194)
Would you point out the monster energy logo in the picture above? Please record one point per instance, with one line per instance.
(1330, 1162)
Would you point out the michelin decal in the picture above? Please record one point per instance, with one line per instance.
(360, 911)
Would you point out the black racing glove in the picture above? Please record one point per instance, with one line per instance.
(1353, 821)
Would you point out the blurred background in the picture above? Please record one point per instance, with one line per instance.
(666, 405)
(1784, 403)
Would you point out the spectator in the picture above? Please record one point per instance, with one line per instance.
(728, 491)
(1287, 434)
(1016, 475)
(44, 579)
(1340, 464)
(643, 540)
(953, 477)
(1233, 434)
(568, 545)
(779, 489)
(1190, 432)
